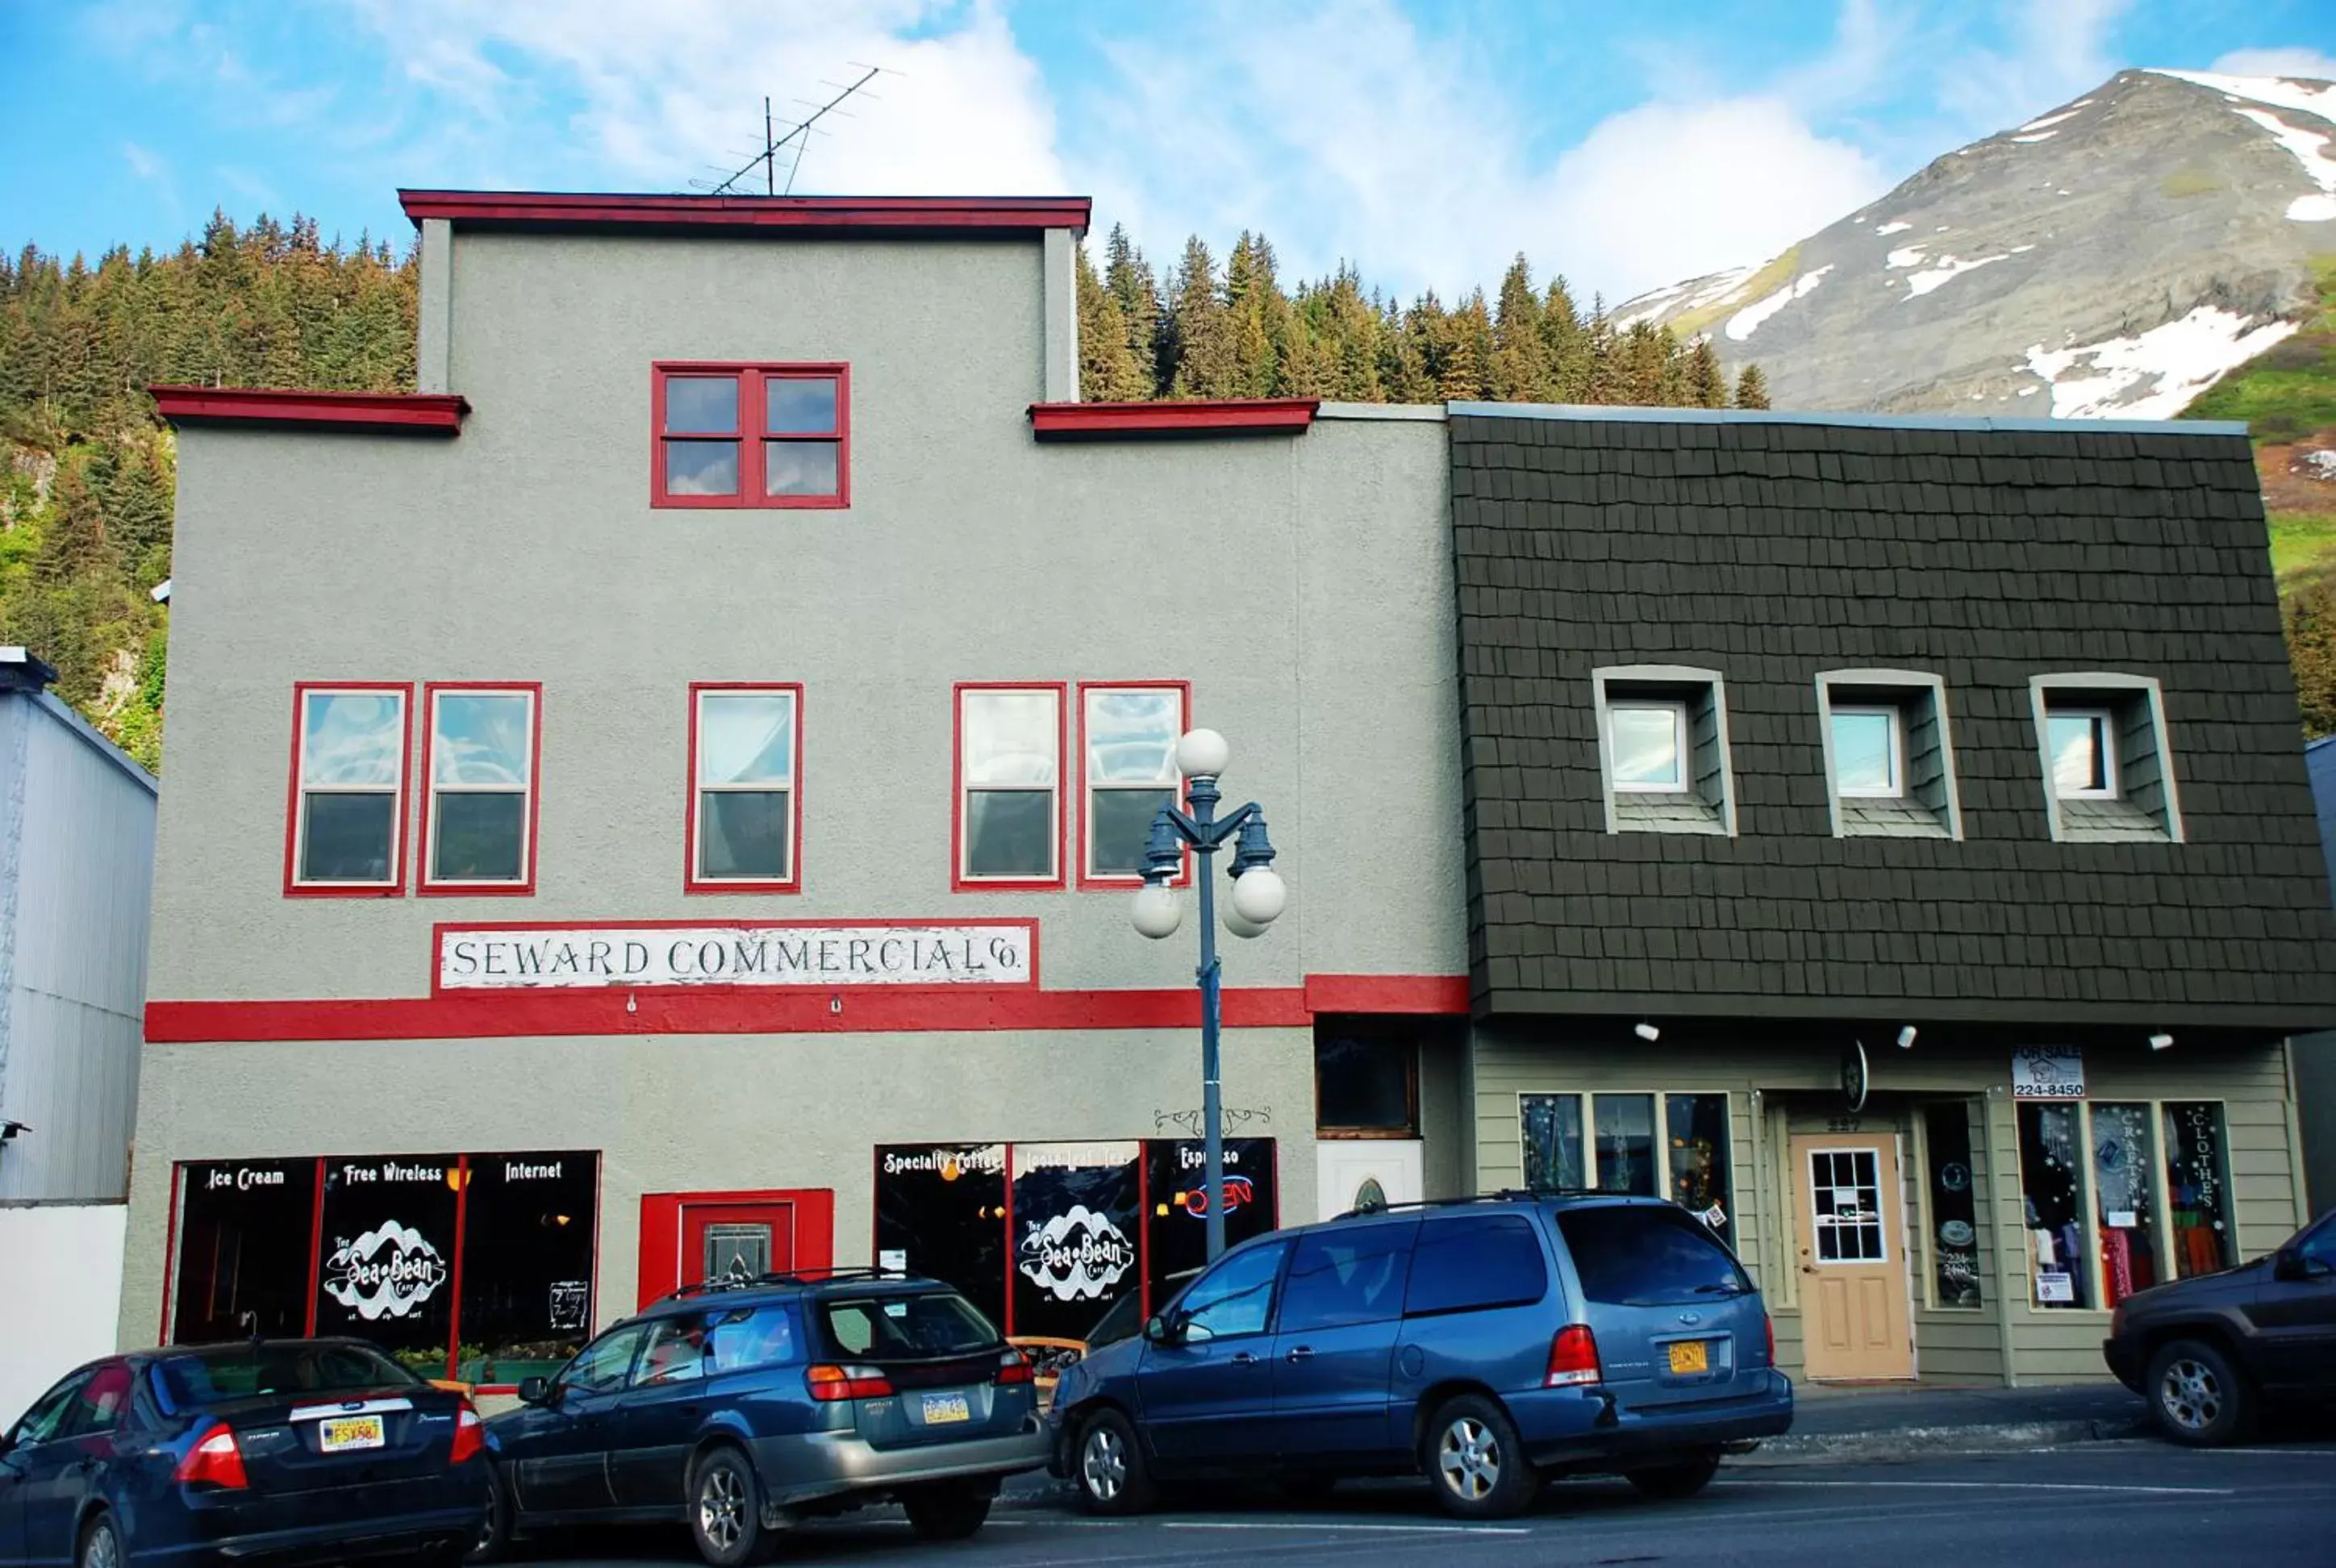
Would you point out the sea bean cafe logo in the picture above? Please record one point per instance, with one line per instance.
(384, 1273)
(1077, 1255)
(547, 958)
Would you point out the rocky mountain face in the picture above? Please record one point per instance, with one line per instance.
(2110, 259)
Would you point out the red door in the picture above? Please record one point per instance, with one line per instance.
(690, 1237)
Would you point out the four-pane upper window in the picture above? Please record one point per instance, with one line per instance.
(1127, 760)
(744, 807)
(766, 435)
(348, 789)
(481, 827)
(1010, 769)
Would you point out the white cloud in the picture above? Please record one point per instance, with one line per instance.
(143, 163)
(2305, 62)
(2057, 49)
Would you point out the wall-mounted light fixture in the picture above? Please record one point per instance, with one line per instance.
(2159, 1041)
(1645, 1031)
(1906, 1038)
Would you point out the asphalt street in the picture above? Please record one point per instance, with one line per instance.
(2114, 1504)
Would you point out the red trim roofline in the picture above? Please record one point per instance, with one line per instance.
(964, 217)
(396, 413)
(1223, 416)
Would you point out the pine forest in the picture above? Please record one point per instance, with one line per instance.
(86, 488)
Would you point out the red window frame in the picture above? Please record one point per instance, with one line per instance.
(958, 881)
(1118, 882)
(753, 384)
(425, 841)
(691, 882)
(396, 887)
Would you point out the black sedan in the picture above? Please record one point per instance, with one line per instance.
(300, 1451)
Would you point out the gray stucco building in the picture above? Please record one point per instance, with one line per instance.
(664, 796)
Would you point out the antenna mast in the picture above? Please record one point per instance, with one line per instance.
(799, 134)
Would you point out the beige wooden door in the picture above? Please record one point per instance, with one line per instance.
(1854, 1282)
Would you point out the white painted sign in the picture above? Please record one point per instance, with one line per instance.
(2047, 1073)
(490, 959)
(384, 1273)
(1076, 1256)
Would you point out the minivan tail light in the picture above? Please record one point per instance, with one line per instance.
(216, 1460)
(470, 1436)
(831, 1384)
(1769, 1324)
(1572, 1357)
(1013, 1367)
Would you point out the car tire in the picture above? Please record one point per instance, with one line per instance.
(494, 1542)
(946, 1513)
(101, 1545)
(1475, 1461)
(2197, 1396)
(725, 1510)
(1681, 1478)
(1108, 1466)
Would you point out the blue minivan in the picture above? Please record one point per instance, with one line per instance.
(1487, 1344)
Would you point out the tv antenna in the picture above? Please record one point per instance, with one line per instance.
(797, 136)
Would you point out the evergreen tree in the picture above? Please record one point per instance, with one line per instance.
(1707, 381)
(1134, 289)
(1107, 370)
(1521, 351)
(1202, 354)
(1751, 388)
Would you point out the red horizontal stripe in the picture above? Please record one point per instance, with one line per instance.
(1222, 416)
(803, 214)
(745, 1010)
(424, 413)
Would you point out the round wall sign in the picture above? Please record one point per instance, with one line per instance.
(1853, 1074)
(1957, 1234)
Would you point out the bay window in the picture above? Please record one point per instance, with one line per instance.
(745, 809)
(1009, 751)
(346, 835)
(480, 752)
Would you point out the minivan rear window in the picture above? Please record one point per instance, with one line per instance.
(187, 1380)
(906, 1327)
(1468, 1265)
(1646, 1255)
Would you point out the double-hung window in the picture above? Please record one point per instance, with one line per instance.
(746, 745)
(1127, 772)
(347, 829)
(480, 752)
(1010, 769)
(751, 435)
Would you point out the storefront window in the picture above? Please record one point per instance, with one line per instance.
(1552, 1139)
(1626, 1143)
(2053, 1185)
(528, 1230)
(2124, 1163)
(387, 1252)
(1697, 1155)
(1953, 1208)
(243, 1250)
(1176, 1230)
(1076, 1218)
(940, 1211)
(1365, 1081)
(2198, 1188)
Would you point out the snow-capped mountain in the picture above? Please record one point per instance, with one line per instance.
(2111, 258)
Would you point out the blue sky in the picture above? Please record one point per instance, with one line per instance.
(1426, 140)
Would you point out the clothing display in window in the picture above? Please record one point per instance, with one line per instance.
(2052, 1180)
(2198, 1188)
(2124, 1163)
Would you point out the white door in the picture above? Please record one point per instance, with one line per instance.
(1352, 1173)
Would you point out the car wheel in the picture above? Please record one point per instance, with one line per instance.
(1683, 1478)
(1475, 1461)
(946, 1513)
(2197, 1396)
(1109, 1466)
(494, 1541)
(101, 1545)
(725, 1510)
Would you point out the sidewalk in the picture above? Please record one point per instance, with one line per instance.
(1894, 1421)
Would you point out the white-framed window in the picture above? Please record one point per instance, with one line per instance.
(347, 829)
(745, 794)
(1009, 796)
(2082, 742)
(1127, 772)
(1869, 752)
(481, 745)
(1647, 746)
(1644, 1143)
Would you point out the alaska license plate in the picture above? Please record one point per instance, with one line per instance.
(942, 1408)
(343, 1433)
(1689, 1356)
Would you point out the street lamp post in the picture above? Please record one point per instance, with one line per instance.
(1258, 897)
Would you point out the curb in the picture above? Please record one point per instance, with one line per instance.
(1919, 1442)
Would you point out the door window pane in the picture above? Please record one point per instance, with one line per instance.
(1845, 1206)
(1469, 1262)
(765, 1337)
(2052, 1194)
(606, 1362)
(1950, 1187)
(1698, 1130)
(799, 405)
(45, 1421)
(2079, 747)
(1354, 1274)
(678, 1350)
(2124, 1167)
(701, 404)
(480, 837)
(1647, 747)
(1864, 752)
(1648, 1257)
(1009, 834)
(1553, 1152)
(349, 838)
(1625, 1144)
(2198, 1188)
(701, 468)
(801, 467)
(1363, 1082)
(1236, 1297)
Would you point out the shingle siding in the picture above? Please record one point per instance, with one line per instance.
(1772, 551)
